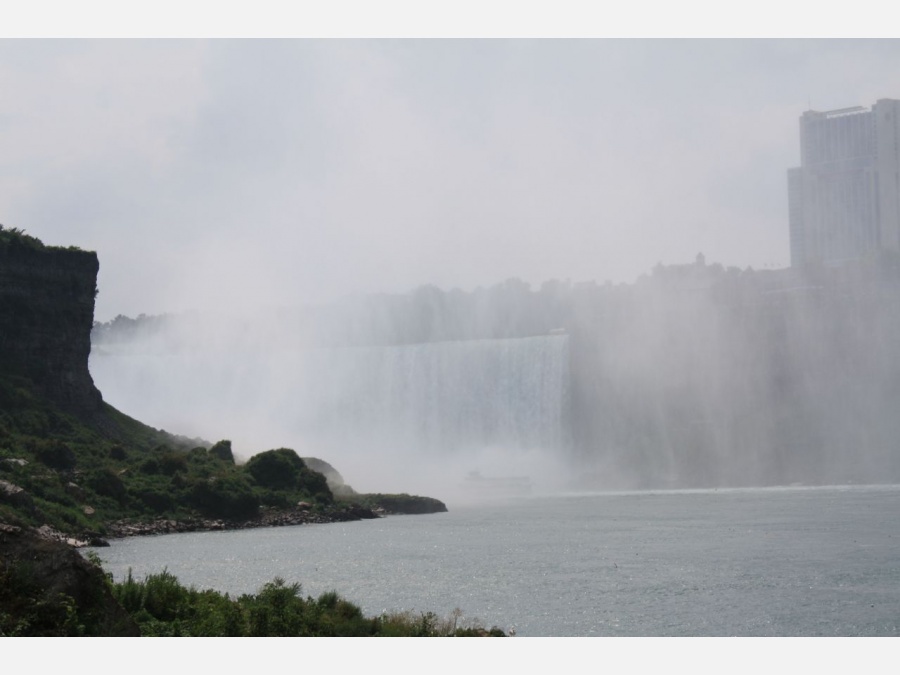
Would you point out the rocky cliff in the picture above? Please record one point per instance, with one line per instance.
(46, 313)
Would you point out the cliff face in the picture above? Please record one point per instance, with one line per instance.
(46, 314)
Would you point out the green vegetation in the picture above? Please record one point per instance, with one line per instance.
(47, 589)
(26, 610)
(397, 503)
(162, 607)
(284, 479)
(78, 476)
(13, 236)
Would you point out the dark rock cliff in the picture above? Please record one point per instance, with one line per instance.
(46, 314)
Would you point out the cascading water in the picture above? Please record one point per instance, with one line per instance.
(441, 397)
(411, 404)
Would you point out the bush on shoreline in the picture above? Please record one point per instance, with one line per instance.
(163, 607)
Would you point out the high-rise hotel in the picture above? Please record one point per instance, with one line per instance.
(844, 198)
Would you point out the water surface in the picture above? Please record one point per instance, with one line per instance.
(764, 562)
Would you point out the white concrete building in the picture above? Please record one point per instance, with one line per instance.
(844, 198)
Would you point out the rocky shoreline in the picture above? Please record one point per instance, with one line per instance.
(120, 529)
(302, 514)
(267, 518)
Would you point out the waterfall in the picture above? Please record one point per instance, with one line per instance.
(432, 398)
(445, 396)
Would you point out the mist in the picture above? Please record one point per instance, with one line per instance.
(695, 376)
(389, 414)
(416, 259)
(215, 174)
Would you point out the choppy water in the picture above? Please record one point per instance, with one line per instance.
(768, 562)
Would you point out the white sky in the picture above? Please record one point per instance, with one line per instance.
(222, 173)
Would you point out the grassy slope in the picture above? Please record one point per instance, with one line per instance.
(78, 475)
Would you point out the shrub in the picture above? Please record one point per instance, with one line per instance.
(278, 469)
(149, 466)
(163, 607)
(56, 455)
(283, 469)
(172, 463)
(107, 483)
(229, 497)
(222, 450)
(276, 611)
(164, 597)
(155, 499)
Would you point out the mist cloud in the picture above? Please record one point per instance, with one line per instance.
(225, 173)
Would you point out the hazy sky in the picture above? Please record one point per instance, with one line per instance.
(226, 172)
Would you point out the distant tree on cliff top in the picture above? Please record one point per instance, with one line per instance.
(17, 237)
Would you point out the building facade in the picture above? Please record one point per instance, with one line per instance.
(844, 198)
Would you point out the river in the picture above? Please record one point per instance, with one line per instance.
(745, 562)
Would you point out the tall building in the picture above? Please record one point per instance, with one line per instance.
(844, 198)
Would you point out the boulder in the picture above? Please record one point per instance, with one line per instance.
(15, 496)
(48, 589)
